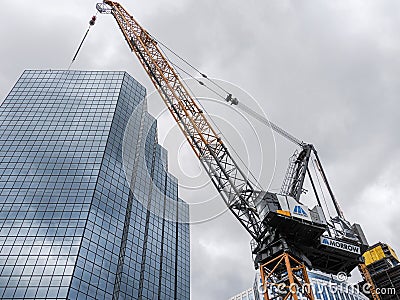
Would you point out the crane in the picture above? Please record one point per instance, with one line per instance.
(287, 236)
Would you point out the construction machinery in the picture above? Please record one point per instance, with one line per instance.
(287, 236)
(382, 271)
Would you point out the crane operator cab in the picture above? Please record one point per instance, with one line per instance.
(329, 245)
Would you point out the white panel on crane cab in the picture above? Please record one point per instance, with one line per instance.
(298, 210)
(283, 202)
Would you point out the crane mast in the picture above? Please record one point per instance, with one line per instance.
(237, 191)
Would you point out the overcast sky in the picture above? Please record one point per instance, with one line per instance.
(326, 71)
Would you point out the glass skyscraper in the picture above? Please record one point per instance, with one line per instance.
(88, 209)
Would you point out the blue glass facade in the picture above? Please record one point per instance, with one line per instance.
(88, 208)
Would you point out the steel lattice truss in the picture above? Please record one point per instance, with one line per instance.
(236, 190)
(284, 277)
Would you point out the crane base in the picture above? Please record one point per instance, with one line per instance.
(284, 277)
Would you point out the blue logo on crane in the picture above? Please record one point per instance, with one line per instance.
(300, 211)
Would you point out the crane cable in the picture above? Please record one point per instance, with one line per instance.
(256, 182)
(190, 65)
(320, 187)
(240, 105)
(271, 125)
(195, 79)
